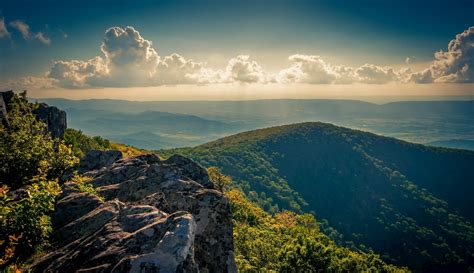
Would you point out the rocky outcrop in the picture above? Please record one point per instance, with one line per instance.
(95, 160)
(54, 118)
(152, 215)
(5, 98)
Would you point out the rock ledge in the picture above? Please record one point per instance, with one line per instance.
(158, 216)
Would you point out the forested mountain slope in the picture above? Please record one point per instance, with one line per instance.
(411, 203)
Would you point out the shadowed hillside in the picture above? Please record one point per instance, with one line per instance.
(400, 199)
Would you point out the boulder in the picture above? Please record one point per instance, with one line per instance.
(152, 216)
(96, 159)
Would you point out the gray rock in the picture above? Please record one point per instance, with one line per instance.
(5, 98)
(54, 118)
(158, 216)
(96, 159)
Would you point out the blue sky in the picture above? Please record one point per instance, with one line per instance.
(349, 33)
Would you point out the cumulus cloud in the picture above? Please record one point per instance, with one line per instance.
(242, 69)
(369, 73)
(76, 74)
(128, 59)
(175, 69)
(3, 29)
(454, 65)
(308, 69)
(314, 70)
(131, 60)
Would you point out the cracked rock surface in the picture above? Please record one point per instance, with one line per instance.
(152, 216)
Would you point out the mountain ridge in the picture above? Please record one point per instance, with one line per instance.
(376, 191)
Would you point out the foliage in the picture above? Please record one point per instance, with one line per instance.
(24, 221)
(220, 180)
(83, 184)
(27, 150)
(81, 144)
(410, 203)
(31, 163)
(288, 242)
(127, 150)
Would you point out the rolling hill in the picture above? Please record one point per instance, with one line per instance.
(408, 202)
(204, 121)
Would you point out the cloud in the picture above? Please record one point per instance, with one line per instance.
(22, 27)
(314, 70)
(175, 69)
(76, 74)
(3, 29)
(42, 38)
(455, 65)
(308, 69)
(130, 60)
(28, 82)
(242, 69)
(369, 73)
(26, 33)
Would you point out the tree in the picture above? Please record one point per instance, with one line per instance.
(27, 149)
(220, 180)
(31, 162)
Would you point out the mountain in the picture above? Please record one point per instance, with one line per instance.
(454, 143)
(408, 202)
(122, 209)
(415, 121)
(149, 129)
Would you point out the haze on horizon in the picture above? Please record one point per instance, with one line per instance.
(238, 50)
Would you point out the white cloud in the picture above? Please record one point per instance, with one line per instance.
(3, 29)
(130, 60)
(314, 70)
(76, 74)
(43, 38)
(454, 65)
(175, 69)
(369, 73)
(22, 27)
(242, 69)
(308, 69)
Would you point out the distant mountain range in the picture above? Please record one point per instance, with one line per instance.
(454, 143)
(410, 203)
(188, 123)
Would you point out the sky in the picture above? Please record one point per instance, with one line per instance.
(221, 50)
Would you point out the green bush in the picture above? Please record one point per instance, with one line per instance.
(25, 224)
(31, 163)
(26, 150)
(81, 144)
(288, 242)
